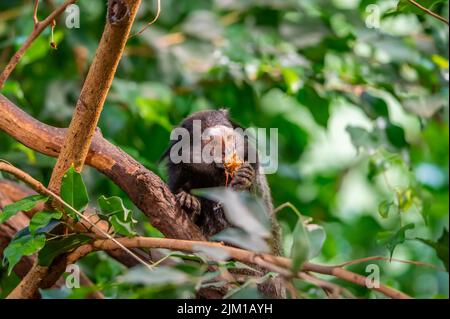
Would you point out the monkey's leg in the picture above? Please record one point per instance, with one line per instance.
(244, 177)
(190, 203)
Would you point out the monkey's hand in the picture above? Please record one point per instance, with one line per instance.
(244, 177)
(189, 203)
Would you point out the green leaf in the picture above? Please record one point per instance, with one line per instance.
(406, 6)
(384, 208)
(22, 246)
(212, 253)
(301, 246)
(55, 247)
(318, 105)
(249, 290)
(118, 215)
(441, 247)
(13, 88)
(396, 135)
(317, 236)
(41, 219)
(73, 191)
(390, 241)
(23, 205)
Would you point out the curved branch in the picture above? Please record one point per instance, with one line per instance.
(234, 253)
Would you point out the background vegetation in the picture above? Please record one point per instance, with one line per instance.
(361, 107)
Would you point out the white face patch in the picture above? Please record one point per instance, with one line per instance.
(219, 143)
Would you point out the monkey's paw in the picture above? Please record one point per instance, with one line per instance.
(243, 179)
(190, 203)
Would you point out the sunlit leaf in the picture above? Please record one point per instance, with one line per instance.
(390, 239)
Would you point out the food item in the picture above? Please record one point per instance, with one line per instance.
(231, 165)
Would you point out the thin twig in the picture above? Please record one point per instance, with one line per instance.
(158, 13)
(428, 11)
(372, 258)
(35, 11)
(38, 28)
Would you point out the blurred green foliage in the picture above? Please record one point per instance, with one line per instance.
(358, 90)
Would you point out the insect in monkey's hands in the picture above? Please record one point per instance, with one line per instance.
(240, 172)
(231, 165)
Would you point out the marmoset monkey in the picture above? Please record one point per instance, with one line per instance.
(218, 130)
